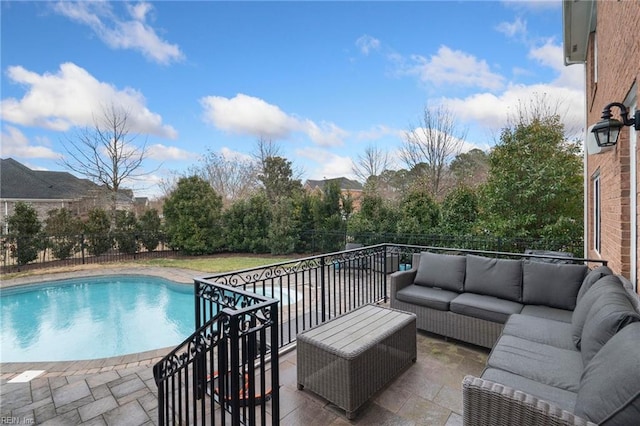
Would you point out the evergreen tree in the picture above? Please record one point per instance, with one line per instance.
(193, 217)
(24, 230)
(534, 187)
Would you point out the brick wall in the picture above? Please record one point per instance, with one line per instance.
(618, 50)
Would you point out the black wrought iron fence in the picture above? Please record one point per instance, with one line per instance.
(226, 372)
(337, 239)
(315, 289)
(68, 250)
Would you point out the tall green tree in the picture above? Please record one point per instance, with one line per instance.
(329, 220)
(24, 230)
(470, 168)
(376, 216)
(63, 230)
(460, 210)
(420, 214)
(246, 224)
(97, 232)
(125, 232)
(150, 226)
(277, 178)
(193, 217)
(534, 188)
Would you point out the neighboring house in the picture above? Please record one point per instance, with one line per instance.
(347, 187)
(605, 36)
(47, 190)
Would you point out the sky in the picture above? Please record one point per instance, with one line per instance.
(323, 81)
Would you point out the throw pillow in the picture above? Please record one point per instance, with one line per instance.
(494, 277)
(550, 284)
(610, 313)
(592, 277)
(607, 284)
(441, 270)
(609, 391)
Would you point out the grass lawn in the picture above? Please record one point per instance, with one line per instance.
(208, 264)
(217, 264)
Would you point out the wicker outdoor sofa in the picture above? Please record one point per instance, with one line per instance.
(565, 340)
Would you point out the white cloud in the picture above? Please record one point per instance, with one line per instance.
(366, 44)
(329, 165)
(533, 5)
(249, 115)
(162, 152)
(493, 111)
(16, 144)
(452, 67)
(120, 33)
(565, 91)
(551, 55)
(515, 29)
(73, 97)
(378, 132)
(230, 154)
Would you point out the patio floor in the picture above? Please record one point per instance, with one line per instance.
(121, 390)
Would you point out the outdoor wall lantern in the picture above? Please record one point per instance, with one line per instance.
(608, 129)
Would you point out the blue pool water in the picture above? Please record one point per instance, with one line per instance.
(94, 317)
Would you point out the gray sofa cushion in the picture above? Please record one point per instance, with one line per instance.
(609, 314)
(542, 363)
(610, 386)
(550, 284)
(547, 312)
(484, 307)
(592, 277)
(608, 284)
(560, 397)
(494, 277)
(541, 330)
(431, 297)
(441, 270)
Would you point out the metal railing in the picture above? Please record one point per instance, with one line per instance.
(241, 327)
(226, 372)
(315, 289)
(80, 249)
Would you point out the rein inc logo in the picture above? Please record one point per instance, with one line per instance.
(6, 420)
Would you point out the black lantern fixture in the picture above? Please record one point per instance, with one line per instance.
(608, 129)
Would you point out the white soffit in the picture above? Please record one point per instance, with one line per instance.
(578, 18)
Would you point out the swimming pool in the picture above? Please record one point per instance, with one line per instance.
(93, 317)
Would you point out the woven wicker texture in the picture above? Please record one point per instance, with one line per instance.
(486, 403)
(347, 359)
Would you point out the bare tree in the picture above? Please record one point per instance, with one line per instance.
(430, 147)
(266, 148)
(106, 153)
(370, 165)
(231, 178)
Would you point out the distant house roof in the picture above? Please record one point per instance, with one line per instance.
(343, 183)
(20, 182)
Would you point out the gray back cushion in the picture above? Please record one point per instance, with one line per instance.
(550, 284)
(441, 270)
(494, 277)
(592, 277)
(610, 313)
(609, 391)
(610, 283)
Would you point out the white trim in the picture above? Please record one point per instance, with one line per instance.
(632, 103)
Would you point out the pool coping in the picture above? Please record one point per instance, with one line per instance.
(9, 370)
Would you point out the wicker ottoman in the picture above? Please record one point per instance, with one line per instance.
(347, 359)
